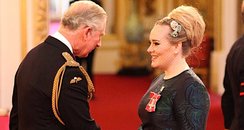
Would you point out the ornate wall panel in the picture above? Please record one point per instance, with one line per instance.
(23, 28)
(34, 23)
(40, 20)
(240, 22)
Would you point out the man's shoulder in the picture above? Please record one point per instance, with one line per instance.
(240, 41)
(238, 45)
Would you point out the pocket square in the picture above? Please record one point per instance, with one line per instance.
(75, 80)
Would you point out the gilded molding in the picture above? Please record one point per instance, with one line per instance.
(23, 28)
(40, 20)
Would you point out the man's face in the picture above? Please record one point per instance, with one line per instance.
(92, 40)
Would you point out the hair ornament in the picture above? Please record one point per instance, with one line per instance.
(176, 27)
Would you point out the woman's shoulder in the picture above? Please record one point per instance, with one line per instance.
(189, 80)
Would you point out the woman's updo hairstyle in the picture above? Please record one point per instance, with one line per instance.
(187, 27)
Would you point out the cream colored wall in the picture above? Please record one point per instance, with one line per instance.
(9, 48)
(106, 59)
(20, 30)
(225, 35)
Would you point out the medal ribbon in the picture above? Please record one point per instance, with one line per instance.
(154, 97)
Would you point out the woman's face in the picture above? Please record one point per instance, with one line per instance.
(161, 51)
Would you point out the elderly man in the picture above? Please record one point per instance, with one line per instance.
(51, 89)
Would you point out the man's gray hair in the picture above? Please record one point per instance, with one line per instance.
(85, 13)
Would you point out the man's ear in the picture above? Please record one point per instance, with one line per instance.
(87, 32)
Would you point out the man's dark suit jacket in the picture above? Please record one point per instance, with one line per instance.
(32, 96)
(233, 97)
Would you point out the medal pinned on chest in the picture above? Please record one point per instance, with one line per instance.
(154, 97)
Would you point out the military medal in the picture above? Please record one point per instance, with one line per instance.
(154, 97)
(151, 106)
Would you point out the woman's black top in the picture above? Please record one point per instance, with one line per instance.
(183, 105)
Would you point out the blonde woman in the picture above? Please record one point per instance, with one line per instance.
(177, 99)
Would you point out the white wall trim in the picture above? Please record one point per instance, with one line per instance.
(10, 50)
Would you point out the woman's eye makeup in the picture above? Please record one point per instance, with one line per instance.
(153, 43)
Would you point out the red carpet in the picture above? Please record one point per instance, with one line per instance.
(215, 118)
(4, 122)
(116, 101)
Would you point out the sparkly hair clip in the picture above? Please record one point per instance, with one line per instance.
(176, 27)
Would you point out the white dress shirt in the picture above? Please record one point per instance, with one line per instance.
(60, 37)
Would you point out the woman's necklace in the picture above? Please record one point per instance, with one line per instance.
(154, 97)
